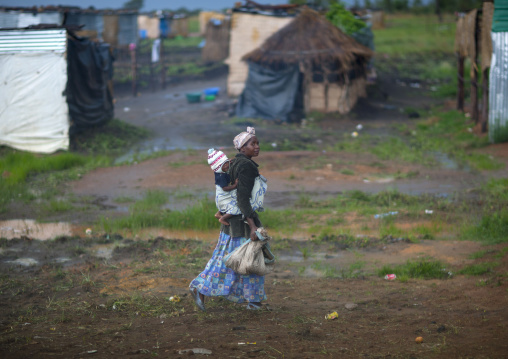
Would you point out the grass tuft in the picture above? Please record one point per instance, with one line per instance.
(420, 269)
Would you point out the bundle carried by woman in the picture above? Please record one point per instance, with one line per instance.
(252, 257)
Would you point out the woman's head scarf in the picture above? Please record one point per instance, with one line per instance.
(242, 138)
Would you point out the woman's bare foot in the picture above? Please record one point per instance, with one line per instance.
(223, 221)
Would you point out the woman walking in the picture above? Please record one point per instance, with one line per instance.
(217, 279)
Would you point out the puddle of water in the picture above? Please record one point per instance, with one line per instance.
(448, 163)
(297, 256)
(46, 231)
(25, 262)
(16, 228)
(148, 148)
(104, 251)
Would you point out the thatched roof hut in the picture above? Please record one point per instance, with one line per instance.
(332, 65)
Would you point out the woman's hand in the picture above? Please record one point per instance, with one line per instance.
(253, 229)
(253, 235)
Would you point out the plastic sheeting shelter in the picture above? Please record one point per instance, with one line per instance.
(268, 93)
(45, 88)
(33, 74)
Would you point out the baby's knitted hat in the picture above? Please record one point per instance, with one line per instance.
(216, 159)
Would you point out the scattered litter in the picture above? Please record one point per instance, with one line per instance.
(429, 211)
(91, 351)
(126, 109)
(247, 343)
(274, 144)
(359, 127)
(351, 306)
(390, 277)
(332, 316)
(26, 324)
(88, 231)
(174, 298)
(366, 180)
(354, 134)
(470, 129)
(419, 340)
(393, 213)
(329, 166)
(195, 351)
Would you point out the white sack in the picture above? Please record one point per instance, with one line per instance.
(34, 115)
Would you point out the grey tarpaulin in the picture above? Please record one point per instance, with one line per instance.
(88, 95)
(268, 93)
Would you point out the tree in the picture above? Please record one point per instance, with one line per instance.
(133, 4)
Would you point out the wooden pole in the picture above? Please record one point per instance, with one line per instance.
(474, 74)
(161, 59)
(460, 83)
(152, 83)
(134, 65)
(485, 100)
(474, 92)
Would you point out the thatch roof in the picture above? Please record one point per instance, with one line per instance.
(310, 37)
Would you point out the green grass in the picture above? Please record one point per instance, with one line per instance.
(112, 139)
(444, 139)
(415, 34)
(419, 269)
(496, 189)
(147, 213)
(16, 166)
(479, 268)
(492, 228)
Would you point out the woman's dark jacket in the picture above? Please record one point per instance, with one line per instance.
(246, 170)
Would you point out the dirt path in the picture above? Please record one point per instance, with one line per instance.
(175, 124)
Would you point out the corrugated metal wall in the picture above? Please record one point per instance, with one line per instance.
(17, 41)
(17, 19)
(127, 29)
(498, 88)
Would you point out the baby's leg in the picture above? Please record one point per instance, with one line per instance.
(218, 215)
(224, 219)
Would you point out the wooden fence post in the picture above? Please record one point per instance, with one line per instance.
(485, 100)
(134, 65)
(161, 59)
(474, 91)
(460, 83)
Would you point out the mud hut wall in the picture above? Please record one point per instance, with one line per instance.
(151, 25)
(180, 27)
(314, 97)
(334, 97)
(377, 20)
(110, 34)
(205, 17)
(217, 41)
(248, 32)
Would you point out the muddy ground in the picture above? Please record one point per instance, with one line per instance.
(107, 296)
